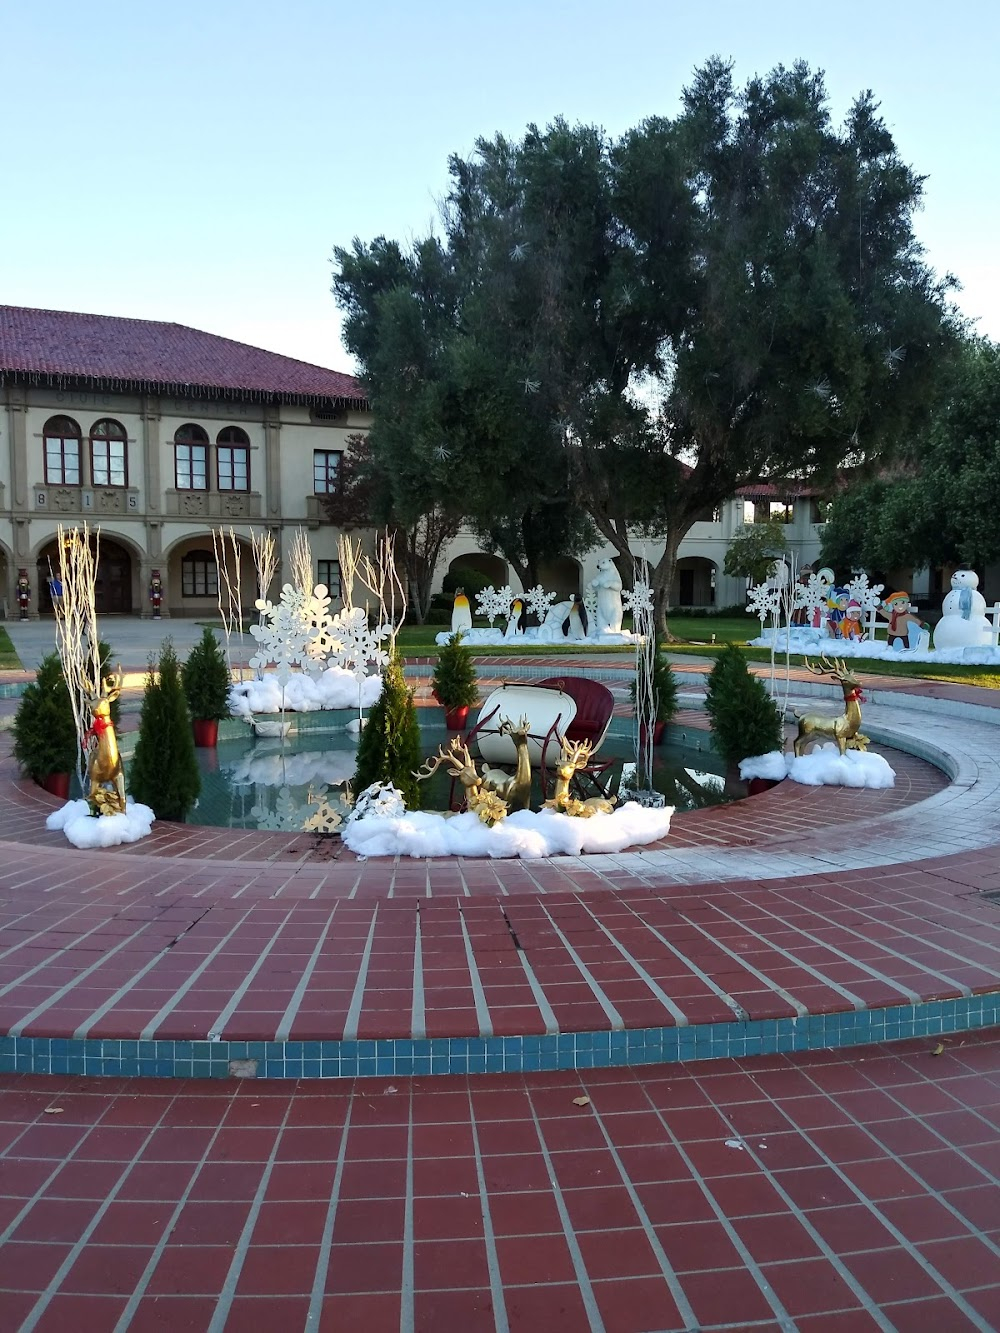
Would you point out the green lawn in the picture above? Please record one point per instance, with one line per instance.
(9, 660)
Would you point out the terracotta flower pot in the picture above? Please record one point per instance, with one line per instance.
(57, 784)
(659, 731)
(757, 785)
(456, 718)
(206, 732)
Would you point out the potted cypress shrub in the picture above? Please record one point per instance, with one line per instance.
(745, 721)
(390, 749)
(454, 682)
(163, 773)
(45, 740)
(206, 686)
(664, 694)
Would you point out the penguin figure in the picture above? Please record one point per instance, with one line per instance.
(461, 613)
(515, 621)
(575, 624)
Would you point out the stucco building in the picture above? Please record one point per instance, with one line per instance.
(159, 433)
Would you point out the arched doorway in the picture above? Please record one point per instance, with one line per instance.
(486, 566)
(560, 575)
(113, 590)
(694, 582)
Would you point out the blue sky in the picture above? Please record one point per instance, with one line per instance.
(197, 161)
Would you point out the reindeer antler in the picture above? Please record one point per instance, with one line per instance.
(112, 685)
(456, 756)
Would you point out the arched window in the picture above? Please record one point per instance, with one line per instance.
(190, 458)
(108, 453)
(232, 457)
(61, 437)
(199, 575)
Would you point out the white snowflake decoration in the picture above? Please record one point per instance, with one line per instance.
(493, 602)
(379, 801)
(869, 598)
(538, 601)
(300, 632)
(763, 600)
(590, 603)
(638, 600)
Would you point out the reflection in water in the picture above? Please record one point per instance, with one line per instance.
(302, 783)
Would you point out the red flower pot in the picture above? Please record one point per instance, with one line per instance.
(757, 785)
(206, 732)
(456, 718)
(57, 784)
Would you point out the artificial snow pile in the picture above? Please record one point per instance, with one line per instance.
(813, 642)
(328, 768)
(86, 830)
(335, 688)
(823, 766)
(537, 634)
(382, 827)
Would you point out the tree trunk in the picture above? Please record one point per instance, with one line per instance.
(662, 579)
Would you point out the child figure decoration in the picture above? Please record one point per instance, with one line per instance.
(905, 625)
(850, 627)
(104, 764)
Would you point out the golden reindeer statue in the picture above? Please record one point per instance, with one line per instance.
(104, 763)
(575, 755)
(516, 790)
(845, 729)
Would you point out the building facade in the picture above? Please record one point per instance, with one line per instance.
(158, 434)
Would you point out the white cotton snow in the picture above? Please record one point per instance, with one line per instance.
(334, 688)
(473, 638)
(771, 766)
(527, 834)
(814, 642)
(822, 766)
(84, 830)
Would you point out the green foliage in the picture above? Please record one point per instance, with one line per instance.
(939, 504)
(664, 687)
(45, 739)
(753, 550)
(390, 749)
(744, 720)
(163, 773)
(454, 678)
(471, 581)
(206, 680)
(749, 261)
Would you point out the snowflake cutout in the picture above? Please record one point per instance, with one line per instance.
(493, 602)
(638, 599)
(538, 601)
(763, 600)
(442, 453)
(590, 603)
(869, 598)
(519, 250)
(895, 357)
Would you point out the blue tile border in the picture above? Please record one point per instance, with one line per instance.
(402, 1058)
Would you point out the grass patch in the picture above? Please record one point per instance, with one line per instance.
(9, 660)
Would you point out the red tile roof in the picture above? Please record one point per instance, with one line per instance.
(150, 355)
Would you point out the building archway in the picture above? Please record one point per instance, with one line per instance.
(560, 575)
(191, 586)
(490, 567)
(113, 591)
(694, 582)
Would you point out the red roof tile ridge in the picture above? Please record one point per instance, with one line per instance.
(40, 341)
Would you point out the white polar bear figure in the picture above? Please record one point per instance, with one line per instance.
(963, 622)
(607, 587)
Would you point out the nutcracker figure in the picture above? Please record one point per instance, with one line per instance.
(23, 592)
(156, 593)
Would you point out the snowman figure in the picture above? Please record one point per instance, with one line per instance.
(963, 622)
